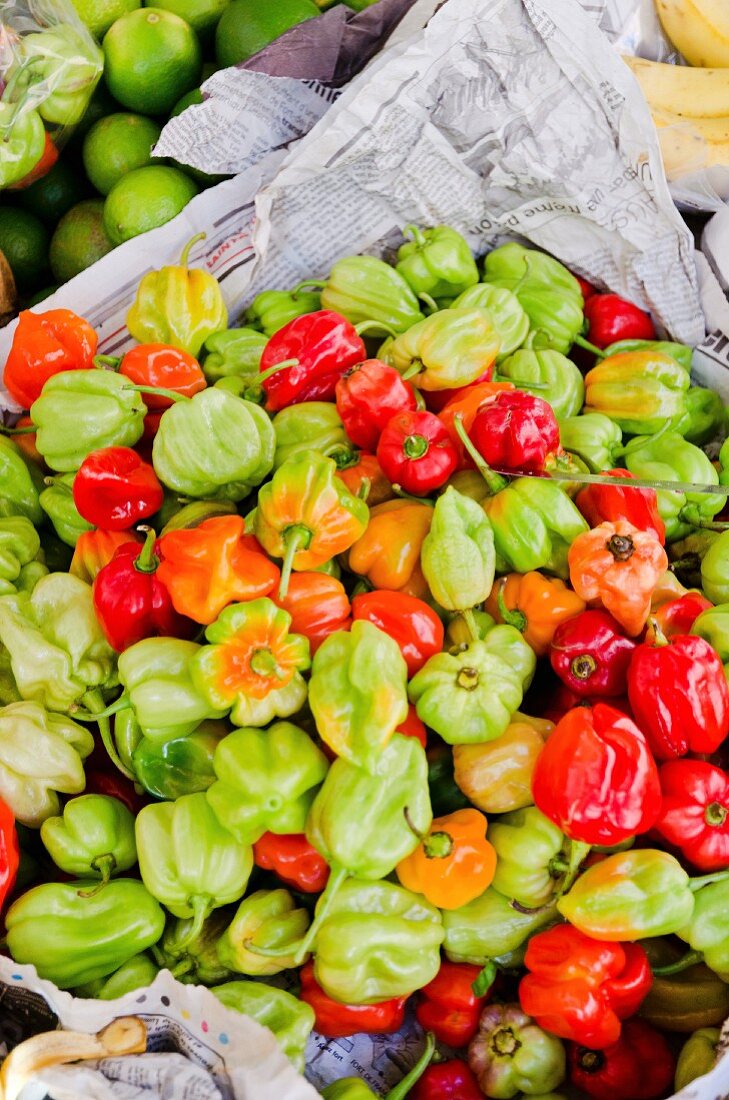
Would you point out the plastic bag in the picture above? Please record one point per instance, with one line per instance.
(49, 67)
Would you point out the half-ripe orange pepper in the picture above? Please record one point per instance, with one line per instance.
(318, 605)
(95, 549)
(619, 566)
(26, 441)
(466, 404)
(534, 604)
(366, 474)
(205, 568)
(453, 863)
(389, 550)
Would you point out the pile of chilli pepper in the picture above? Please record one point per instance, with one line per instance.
(341, 644)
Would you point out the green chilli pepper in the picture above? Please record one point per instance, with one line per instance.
(58, 504)
(94, 836)
(457, 556)
(234, 353)
(272, 309)
(363, 288)
(290, 1019)
(264, 935)
(551, 375)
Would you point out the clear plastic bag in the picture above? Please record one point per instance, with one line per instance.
(49, 67)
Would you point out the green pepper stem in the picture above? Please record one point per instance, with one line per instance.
(100, 715)
(659, 638)
(429, 302)
(146, 560)
(105, 865)
(511, 616)
(293, 540)
(494, 482)
(695, 884)
(521, 383)
(688, 516)
(485, 980)
(201, 905)
(371, 326)
(91, 715)
(400, 492)
(364, 490)
(583, 343)
(316, 284)
(101, 362)
(638, 445)
(471, 625)
(691, 958)
(258, 378)
(337, 877)
(184, 966)
(159, 391)
(419, 399)
(578, 852)
(414, 369)
(29, 430)
(402, 1089)
(416, 233)
(186, 250)
(283, 951)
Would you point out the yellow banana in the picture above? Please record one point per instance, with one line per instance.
(699, 29)
(694, 93)
(689, 144)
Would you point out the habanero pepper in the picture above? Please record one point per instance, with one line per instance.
(114, 489)
(536, 605)
(161, 366)
(368, 395)
(293, 860)
(466, 403)
(416, 452)
(318, 347)
(601, 503)
(387, 553)
(451, 1080)
(612, 318)
(409, 621)
(95, 549)
(694, 817)
(318, 605)
(639, 1066)
(591, 655)
(676, 616)
(364, 478)
(45, 344)
(515, 431)
(453, 863)
(448, 1006)
(337, 1020)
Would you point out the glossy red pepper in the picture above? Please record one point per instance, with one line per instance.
(337, 1020)
(162, 366)
(451, 1080)
(318, 605)
(368, 395)
(612, 318)
(416, 452)
(132, 603)
(601, 503)
(114, 489)
(582, 989)
(515, 431)
(293, 859)
(587, 288)
(409, 621)
(694, 814)
(591, 655)
(45, 344)
(640, 1066)
(100, 781)
(9, 851)
(414, 727)
(679, 695)
(677, 616)
(324, 345)
(595, 777)
(448, 1006)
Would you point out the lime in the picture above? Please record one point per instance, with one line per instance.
(41, 295)
(202, 15)
(98, 15)
(80, 240)
(151, 58)
(144, 199)
(24, 242)
(247, 26)
(50, 197)
(116, 145)
(185, 101)
(102, 103)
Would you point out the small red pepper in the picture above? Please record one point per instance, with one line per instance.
(324, 345)
(677, 616)
(612, 318)
(293, 859)
(416, 452)
(587, 288)
(694, 814)
(640, 1066)
(595, 777)
(337, 1020)
(679, 695)
(591, 654)
(162, 366)
(515, 431)
(114, 489)
(9, 851)
(318, 605)
(409, 621)
(100, 781)
(131, 602)
(368, 395)
(449, 1007)
(451, 1080)
(45, 344)
(582, 989)
(414, 727)
(610, 503)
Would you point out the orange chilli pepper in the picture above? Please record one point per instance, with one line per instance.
(535, 605)
(318, 605)
(389, 550)
(205, 568)
(365, 479)
(453, 863)
(466, 404)
(26, 441)
(95, 549)
(618, 566)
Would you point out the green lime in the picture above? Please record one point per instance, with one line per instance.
(41, 295)
(185, 101)
(80, 240)
(50, 197)
(116, 145)
(247, 26)
(202, 15)
(151, 58)
(98, 15)
(144, 199)
(24, 242)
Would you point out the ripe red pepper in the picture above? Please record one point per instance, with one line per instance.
(695, 812)
(131, 602)
(595, 777)
(679, 695)
(591, 654)
(416, 452)
(677, 616)
(640, 1066)
(409, 621)
(414, 727)
(162, 366)
(100, 781)
(9, 851)
(293, 859)
(612, 318)
(601, 503)
(451, 1080)
(450, 1008)
(337, 1020)
(318, 605)
(324, 345)
(114, 489)
(45, 344)
(582, 989)
(515, 431)
(368, 395)
(587, 288)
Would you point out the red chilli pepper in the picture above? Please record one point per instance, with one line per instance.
(9, 851)
(45, 344)
(640, 1066)
(515, 431)
(595, 777)
(591, 655)
(414, 727)
(162, 366)
(449, 1007)
(436, 400)
(416, 452)
(610, 503)
(324, 345)
(99, 781)
(368, 395)
(677, 616)
(131, 602)
(114, 489)
(695, 812)
(587, 288)
(451, 1080)
(337, 1020)
(293, 859)
(612, 318)
(409, 621)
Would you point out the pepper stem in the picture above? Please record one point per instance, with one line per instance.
(402, 1089)
(146, 560)
(485, 980)
(100, 715)
(91, 715)
(494, 482)
(315, 284)
(633, 446)
(416, 233)
(659, 638)
(201, 905)
(704, 524)
(415, 446)
(184, 966)
(521, 383)
(159, 391)
(438, 845)
(371, 326)
(583, 343)
(297, 537)
(105, 865)
(264, 374)
(620, 546)
(29, 430)
(511, 616)
(695, 884)
(337, 878)
(188, 247)
(429, 302)
(578, 852)
(400, 492)
(471, 625)
(103, 361)
(415, 368)
(691, 958)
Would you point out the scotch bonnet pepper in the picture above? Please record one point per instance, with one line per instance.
(510, 1054)
(45, 344)
(363, 288)
(449, 349)
(264, 934)
(234, 353)
(594, 438)
(289, 1018)
(533, 857)
(337, 1020)
(58, 503)
(555, 378)
(453, 863)
(272, 309)
(591, 655)
(19, 546)
(639, 390)
(183, 765)
(509, 319)
(20, 483)
(93, 836)
(368, 395)
(536, 605)
(416, 452)
(695, 811)
(309, 426)
(496, 776)
(491, 928)
(388, 552)
(671, 458)
(436, 263)
(304, 360)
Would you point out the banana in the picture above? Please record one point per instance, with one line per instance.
(688, 145)
(693, 93)
(699, 29)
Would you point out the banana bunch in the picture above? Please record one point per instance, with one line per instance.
(699, 29)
